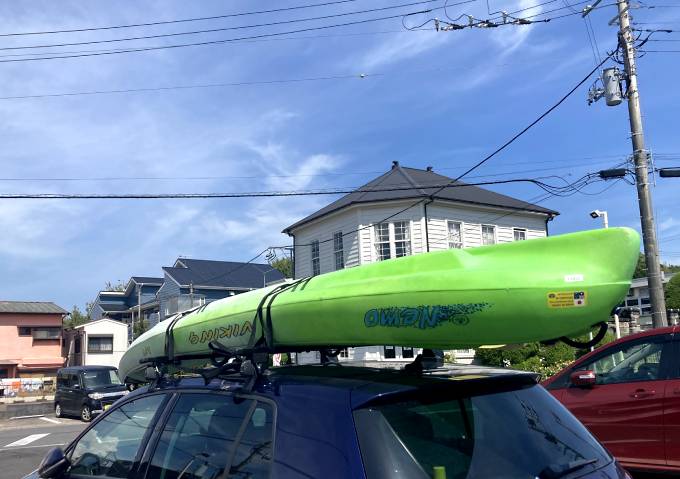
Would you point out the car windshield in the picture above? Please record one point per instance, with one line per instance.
(513, 434)
(101, 378)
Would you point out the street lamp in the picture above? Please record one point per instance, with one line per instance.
(600, 214)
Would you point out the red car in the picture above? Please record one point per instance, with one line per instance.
(627, 393)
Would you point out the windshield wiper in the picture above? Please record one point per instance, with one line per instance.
(555, 471)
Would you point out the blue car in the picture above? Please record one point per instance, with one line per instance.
(336, 421)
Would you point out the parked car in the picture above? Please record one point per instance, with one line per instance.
(87, 390)
(331, 421)
(627, 393)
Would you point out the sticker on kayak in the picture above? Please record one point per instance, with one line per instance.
(567, 299)
(422, 317)
(573, 278)
(229, 331)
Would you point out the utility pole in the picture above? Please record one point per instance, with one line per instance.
(640, 156)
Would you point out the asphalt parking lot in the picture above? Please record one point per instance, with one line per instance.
(24, 442)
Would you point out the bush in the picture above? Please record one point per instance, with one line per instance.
(536, 357)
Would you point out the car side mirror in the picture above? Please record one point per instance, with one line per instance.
(583, 379)
(54, 464)
(76, 386)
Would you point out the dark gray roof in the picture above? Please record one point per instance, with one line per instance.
(114, 307)
(30, 307)
(222, 274)
(147, 280)
(413, 183)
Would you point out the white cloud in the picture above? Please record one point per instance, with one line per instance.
(398, 48)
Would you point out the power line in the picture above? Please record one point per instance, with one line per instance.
(484, 160)
(217, 42)
(253, 194)
(182, 20)
(243, 42)
(223, 29)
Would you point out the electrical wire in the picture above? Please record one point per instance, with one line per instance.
(243, 42)
(218, 42)
(223, 29)
(182, 20)
(485, 159)
(259, 194)
(603, 159)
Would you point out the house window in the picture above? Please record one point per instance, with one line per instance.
(24, 330)
(382, 241)
(389, 352)
(46, 333)
(488, 234)
(100, 344)
(344, 353)
(392, 240)
(519, 234)
(406, 353)
(338, 250)
(455, 234)
(316, 266)
(402, 239)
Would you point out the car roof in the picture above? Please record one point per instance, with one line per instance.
(72, 369)
(367, 384)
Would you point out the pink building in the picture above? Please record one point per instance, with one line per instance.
(30, 339)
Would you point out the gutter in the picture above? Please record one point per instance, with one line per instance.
(427, 228)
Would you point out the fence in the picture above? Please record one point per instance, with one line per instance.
(26, 387)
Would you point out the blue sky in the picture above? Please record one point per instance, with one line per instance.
(444, 99)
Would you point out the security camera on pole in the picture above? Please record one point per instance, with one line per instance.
(611, 81)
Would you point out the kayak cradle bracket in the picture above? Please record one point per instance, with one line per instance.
(578, 344)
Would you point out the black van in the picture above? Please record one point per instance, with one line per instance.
(87, 390)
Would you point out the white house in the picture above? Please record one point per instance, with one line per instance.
(638, 296)
(402, 212)
(97, 343)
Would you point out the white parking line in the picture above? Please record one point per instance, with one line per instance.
(27, 440)
(53, 421)
(28, 447)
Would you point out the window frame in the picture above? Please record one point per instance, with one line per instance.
(495, 233)
(24, 334)
(666, 366)
(392, 240)
(316, 257)
(519, 230)
(99, 336)
(163, 419)
(52, 329)
(394, 352)
(339, 252)
(147, 441)
(461, 232)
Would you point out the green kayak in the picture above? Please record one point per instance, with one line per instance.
(517, 292)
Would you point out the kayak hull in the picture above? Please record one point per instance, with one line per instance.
(508, 293)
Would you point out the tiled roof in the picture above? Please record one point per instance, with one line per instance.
(30, 307)
(147, 280)
(411, 183)
(222, 274)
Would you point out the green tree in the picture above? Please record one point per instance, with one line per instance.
(139, 328)
(76, 318)
(673, 292)
(119, 286)
(641, 267)
(284, 265)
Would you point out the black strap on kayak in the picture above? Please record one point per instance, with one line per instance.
(265, 319)
(170, 334)
(577, 344)
(588, 344)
